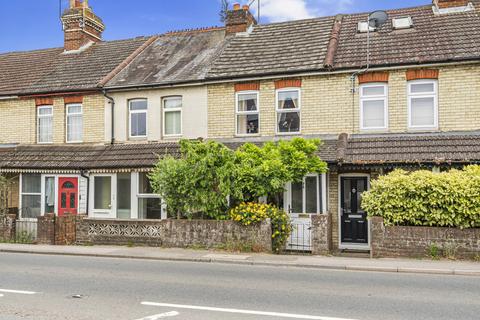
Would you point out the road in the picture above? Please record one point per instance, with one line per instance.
(41, 287)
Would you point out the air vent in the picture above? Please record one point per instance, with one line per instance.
(363, 27)
(402, 23)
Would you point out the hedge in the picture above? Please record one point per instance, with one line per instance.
(425, 198)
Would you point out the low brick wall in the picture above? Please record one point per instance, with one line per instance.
(55, 230)
(7, 227)
(417, 241)
(173, 233)
(321, 234)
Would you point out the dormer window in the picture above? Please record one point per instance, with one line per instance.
(402, 23)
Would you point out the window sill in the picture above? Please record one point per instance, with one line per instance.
(247, 135)
(288, 133)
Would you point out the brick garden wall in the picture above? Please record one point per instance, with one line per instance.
(56, 230)
(7, 227)
(416, 241)
(173, 233)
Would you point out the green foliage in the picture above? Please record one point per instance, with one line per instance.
(208, 173)
(252, 213)
(434, 251)
(425, 198)
(200, 181)
(263, 171)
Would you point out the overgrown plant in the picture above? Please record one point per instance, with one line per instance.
(249, 213)
(425, 198)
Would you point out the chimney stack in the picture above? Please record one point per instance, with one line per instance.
(80, 25)
(239, 19)
(445, 4)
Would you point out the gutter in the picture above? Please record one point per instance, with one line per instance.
(8, 97)
(112, 102)
(292, 74)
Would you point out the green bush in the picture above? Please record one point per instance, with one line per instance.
(248, 213)
(425, 198)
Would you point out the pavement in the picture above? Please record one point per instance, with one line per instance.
(60, 287)
(425, 266)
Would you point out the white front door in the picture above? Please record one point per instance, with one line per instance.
(102, 198)
(302, 200)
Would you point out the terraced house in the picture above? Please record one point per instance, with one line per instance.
(81, 125)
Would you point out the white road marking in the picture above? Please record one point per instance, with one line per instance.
(240, 311)
(161, 316)
(17, 291)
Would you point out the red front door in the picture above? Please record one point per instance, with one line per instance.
(67, 196)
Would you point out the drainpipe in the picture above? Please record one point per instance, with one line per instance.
(83, 174)
(112, 102)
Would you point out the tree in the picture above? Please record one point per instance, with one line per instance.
(200, 182)
(225, 5)
(264, 171)
(3, 195)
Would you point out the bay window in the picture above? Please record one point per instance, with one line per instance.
(31, 196)
(247, 113)
(373, 106)
(137, 110)
(288, 111)
(172, 116)
(149, 203)
(423, 104)
(74, 123)
(45, 124)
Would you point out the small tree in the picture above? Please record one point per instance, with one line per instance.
(264, 171)
(225, 4)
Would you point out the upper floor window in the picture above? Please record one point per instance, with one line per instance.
(373, 106)
(288, 110)
(45, 124)
(247, 113)
(423, 104)
(137, 110)
(172, 116)
(74, 123)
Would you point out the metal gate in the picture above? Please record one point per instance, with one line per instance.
(301, 237)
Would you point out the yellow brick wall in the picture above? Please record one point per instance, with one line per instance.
(329, 107)
(18, 120)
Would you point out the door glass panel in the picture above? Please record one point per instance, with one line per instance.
(72, 200)
(49, 195)
(347, 196)
(102, 192)
(311, 194)
(360, 189)
(297, 197)
(63, 200)
(123, 195)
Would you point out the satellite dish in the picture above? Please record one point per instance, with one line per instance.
(377, 19)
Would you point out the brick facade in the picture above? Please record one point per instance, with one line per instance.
(329, 107)
(174, 233)
(418, 241)
(18, 119)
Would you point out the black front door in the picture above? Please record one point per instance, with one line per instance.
(354, 226)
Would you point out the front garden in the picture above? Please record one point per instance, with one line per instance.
(211, 181)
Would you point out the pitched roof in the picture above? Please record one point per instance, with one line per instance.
(436, 148)
(51, 70)
(276, 48)
(433, 38)
(174, 57)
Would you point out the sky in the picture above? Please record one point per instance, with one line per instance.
(35, 24)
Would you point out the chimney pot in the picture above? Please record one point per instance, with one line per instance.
(236, 6)
(246, 7)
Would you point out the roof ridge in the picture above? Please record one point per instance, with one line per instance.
(194, 30)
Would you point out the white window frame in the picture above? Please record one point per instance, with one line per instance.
(246, 113)
(322, 205)
(165, 111)
(39, 116)
(68, 114)
(21, 194)
(383, 97)
(130, 112)
(139, 196)
(411, 95)
(280, 111)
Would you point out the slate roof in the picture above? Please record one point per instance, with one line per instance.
(434, 38)
(173, 58)
(50, 70)
(276, 48)
(436, 148)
